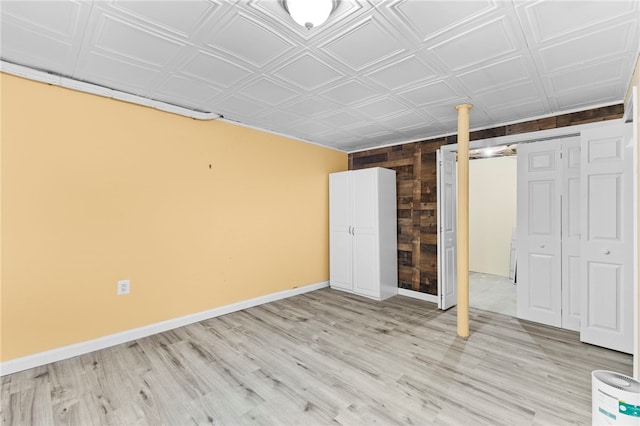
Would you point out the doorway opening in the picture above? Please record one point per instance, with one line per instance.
(492, 224)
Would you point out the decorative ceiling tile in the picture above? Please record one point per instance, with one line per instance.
(338, 139)
(496, 74)
(35, 50)
(308, 72)
(311, 106)
(186, 89)
(236, 108)
(511, 113)
(431, 93)
(135, 43)
(377, 72)
(366, 129)
(447, 109)
(341, 119)
(310, 127)
(60, 18)
(591, 47)
(268, 92)
(552, 19)
(239, 37)
(425, 132)
(404, 121)
(278, 117)
(603, 94)
(363, 45)
(348, 93)
(429, 18)
(180, 17)
(214, 69)
(508, 95)
(123, 75)
(405, 72)
(380, 108)
(585, 77)
(481, 44)
(45, 33)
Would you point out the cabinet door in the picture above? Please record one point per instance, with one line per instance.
(366, 268)
(340, 237)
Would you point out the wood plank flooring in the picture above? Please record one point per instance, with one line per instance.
(325, 357)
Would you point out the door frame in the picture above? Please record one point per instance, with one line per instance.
(556, 134)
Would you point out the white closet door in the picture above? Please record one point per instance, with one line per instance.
(539, 262)
(607, 238)
(366, 271)
(571, 282)
(447, 244)
(341, 250)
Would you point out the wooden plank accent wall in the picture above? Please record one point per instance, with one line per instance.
(415, 166)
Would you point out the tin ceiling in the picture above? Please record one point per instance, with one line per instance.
(378, 72)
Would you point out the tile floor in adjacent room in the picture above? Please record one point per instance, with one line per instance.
(492, 293)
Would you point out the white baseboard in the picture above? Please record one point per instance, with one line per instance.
(76, 349)
(418, 295)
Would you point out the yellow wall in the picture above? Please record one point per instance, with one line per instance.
(96, 190)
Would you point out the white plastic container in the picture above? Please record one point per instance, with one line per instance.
(615, 399)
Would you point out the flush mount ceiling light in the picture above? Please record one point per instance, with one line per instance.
(310, 13)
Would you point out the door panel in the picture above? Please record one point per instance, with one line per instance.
(447, 236)
(604, 207)
(340, 251)
(542, 197)
(539, 293)
(605, 287)
(339, 208)
(365, 264)
(366, 198)
(571, 282)
(607, 244)
(541, 270)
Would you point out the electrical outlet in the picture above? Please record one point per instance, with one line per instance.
(124, 286)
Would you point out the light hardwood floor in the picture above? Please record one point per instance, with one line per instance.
(324, 357)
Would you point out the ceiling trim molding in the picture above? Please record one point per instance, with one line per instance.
(94, 89)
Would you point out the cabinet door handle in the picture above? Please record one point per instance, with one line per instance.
(354, 231)
(541, 245)
(606, 251)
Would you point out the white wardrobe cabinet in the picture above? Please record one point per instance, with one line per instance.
(363, 232)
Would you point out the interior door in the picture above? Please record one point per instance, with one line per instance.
(340, 238)
(539, 263)
(607, 238)
(447, 245)
(571, 211)
(366, 269)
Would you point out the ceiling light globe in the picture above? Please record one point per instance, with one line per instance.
(309, 13)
